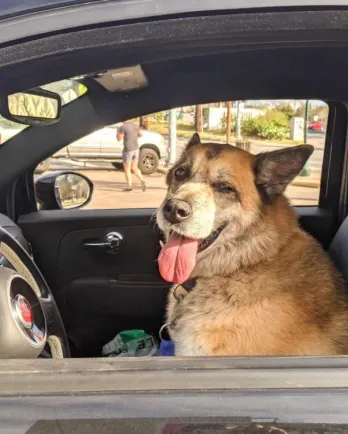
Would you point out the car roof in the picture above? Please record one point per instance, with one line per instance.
(29, 18)
(10, 8)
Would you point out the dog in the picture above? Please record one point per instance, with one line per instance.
(255, 283)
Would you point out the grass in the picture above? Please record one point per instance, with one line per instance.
(184, 130)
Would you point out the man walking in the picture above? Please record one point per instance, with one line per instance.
(129, 133)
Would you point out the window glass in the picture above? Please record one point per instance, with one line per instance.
(257, 126)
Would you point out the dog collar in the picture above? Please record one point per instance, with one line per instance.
(187, 286)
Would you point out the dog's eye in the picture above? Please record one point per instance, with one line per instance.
(224, 187)
(180, 174)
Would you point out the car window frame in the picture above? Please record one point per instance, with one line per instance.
(84, 15)
(328, 164)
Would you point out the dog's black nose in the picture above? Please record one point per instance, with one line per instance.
(176, 211)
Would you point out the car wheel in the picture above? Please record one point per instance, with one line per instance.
(42, 167)
(117, 165)
(148, 161)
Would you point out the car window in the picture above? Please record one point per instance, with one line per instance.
(69, 90)
(256, 126)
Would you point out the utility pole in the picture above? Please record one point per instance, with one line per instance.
(306, 116)
(199, 119)
(228, 123)
(306, 171)
(238, 122)
(172, 136)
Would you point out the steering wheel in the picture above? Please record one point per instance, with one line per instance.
(29, 314)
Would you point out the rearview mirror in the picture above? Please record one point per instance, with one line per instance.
(63, 190)
(37, 107)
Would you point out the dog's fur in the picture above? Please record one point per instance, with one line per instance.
(264, 287)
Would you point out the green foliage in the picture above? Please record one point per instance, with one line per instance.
(286, 109)
(159, 117)
(273, 125)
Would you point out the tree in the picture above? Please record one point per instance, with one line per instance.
(286, 109)
(199, 118)
(300, 110)
(228, 122)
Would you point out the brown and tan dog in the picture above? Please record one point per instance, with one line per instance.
(262, 286)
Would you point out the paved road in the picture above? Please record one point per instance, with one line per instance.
(316, 160)
(108, 183)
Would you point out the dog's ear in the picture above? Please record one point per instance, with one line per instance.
(195, 140)
(275, 170)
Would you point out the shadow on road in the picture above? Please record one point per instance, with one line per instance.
(112, 186)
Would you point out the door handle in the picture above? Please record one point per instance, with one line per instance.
(112, 243)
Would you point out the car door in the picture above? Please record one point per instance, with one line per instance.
(88, 147)
(110, 147)
(100, 292)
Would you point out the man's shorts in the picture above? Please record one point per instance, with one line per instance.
(130, 156)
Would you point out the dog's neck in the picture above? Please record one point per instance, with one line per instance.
(260, 243)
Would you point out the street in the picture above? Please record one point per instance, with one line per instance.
(109, 183)
(108, 194)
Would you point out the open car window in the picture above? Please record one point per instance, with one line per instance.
(255, 126)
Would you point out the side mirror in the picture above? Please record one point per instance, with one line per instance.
(37, 107)
(63, 190)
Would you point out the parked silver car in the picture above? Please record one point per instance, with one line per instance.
(102, 145)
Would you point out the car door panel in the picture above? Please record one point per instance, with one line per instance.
(119, 291)
(99, 294)
(47, 229)
(114, 297)
(136, 254)
(96, 309)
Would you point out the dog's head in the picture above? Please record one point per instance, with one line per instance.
(217, 192)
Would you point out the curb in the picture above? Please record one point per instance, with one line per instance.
(306, 183)
(162, 170)
(253, 141)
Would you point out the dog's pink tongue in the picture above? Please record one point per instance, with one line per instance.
(178, 259)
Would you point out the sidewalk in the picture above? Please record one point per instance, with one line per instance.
(318, 144)
(312, 181)
(206, 136)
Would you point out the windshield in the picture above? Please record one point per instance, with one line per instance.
(69, 90)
